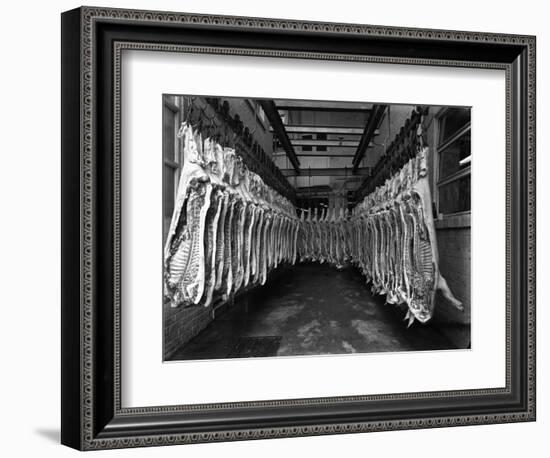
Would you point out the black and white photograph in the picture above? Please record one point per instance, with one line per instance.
(312, 227)
(276, 228)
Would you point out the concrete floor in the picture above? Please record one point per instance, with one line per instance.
(314, 309)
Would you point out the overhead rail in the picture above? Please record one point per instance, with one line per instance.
(368, 134)
(329, 172)
(212, 117)
(276, 122)
(404, 147)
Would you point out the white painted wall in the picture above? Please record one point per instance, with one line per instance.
(30, 241)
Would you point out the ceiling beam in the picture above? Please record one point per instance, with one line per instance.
(347, 152)
(331, 130)
(368, 134)
(316, 154)
(328, 172)
(337, 143)
(314, 105)
(314, 188)
(276, 122)
(323, 109)
(351, 178)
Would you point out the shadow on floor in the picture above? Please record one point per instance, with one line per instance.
(53, 435)
(314, 309)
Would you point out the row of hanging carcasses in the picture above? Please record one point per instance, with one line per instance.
(325, 236)
(228, 229)
(390, 236)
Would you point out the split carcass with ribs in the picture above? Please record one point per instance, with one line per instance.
(394, 242)
(228, 228)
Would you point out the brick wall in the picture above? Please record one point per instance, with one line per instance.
(454, 263)
(182, 324)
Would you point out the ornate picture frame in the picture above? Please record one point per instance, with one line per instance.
(92, 42)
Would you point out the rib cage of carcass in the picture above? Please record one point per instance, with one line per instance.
(228, 229)
(394, 241)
